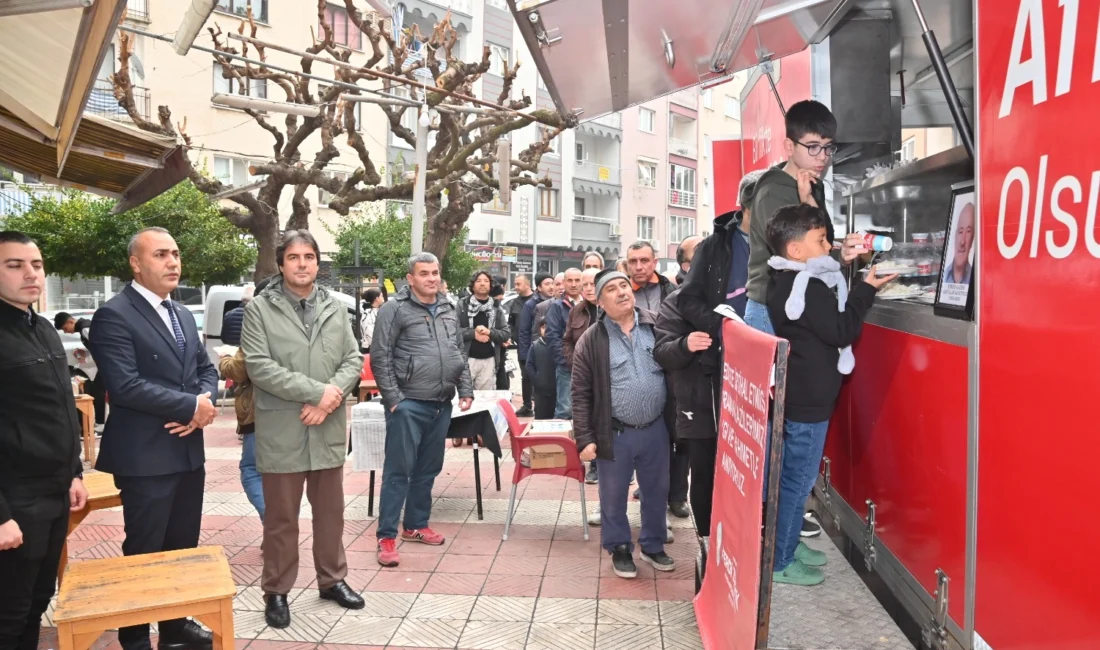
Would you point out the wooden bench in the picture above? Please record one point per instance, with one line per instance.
(102, 494)
(99, 595)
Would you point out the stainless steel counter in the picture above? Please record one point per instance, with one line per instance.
(919, 320)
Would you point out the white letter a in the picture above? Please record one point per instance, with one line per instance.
(1029, 23)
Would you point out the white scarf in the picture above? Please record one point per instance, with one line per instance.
(827, 270)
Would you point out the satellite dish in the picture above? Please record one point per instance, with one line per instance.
(135, 64)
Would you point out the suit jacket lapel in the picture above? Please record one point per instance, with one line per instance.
(145, 309)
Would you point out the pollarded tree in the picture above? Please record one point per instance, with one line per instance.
(460, 162)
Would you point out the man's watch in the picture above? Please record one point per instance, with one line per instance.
(80, 475)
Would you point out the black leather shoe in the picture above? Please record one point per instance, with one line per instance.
(343, 595)
(277, 612)
(190, 636)
(622, 562)
(679, 509)
(524, 412)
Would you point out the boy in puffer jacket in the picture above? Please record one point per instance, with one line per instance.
(805, 311)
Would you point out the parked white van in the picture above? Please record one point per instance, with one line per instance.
(221, 299)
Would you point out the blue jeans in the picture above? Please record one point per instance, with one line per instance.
(416, 437)
(563, 410)
(803, 445)
(251, 480)
(757, 317)
(645, 451)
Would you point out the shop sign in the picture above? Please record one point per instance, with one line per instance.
(726, 605)
(494, 254)
(1038, 305)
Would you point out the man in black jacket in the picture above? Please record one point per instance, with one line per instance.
(65, 322)
(515, 312)
(40, 468)
(677, 350)
(234, 319)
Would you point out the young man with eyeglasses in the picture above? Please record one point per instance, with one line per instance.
(811, 130)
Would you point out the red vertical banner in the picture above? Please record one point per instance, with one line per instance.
(1038, 307)
(726, 605)
(725, 156)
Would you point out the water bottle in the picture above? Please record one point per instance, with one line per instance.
(877, 243)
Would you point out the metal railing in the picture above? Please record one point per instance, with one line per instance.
(137, 10)
(611, 221)
(682, 199)
(16, 199)
(684, 148)
(687, 98)
(590, 171)
(102, 102)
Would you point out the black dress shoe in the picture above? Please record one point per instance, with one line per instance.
(343, 595)
(277, 612)
(679, 509)
(189, 636)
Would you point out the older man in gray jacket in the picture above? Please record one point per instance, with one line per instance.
(418, 360)
(302, 359)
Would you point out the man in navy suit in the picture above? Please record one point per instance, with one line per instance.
(159, 382)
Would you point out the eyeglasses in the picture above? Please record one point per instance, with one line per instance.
(815, 149)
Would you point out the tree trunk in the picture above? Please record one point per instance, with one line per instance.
(436, 242)
(266, 233)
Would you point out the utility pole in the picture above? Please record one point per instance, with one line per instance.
(420, 183)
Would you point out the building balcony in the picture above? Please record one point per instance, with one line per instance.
(413, 57)
(607, 126)
(685, 98)
(137, 11)
(589, 218)
(102, 102)
(682, 199)
(17, 199)
(590, 171)
(684, 148)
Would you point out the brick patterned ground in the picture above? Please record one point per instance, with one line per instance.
(544, 588)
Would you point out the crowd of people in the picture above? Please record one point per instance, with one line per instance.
(632, 357)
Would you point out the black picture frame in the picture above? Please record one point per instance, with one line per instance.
(950, 305)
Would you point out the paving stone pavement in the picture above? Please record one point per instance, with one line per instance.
(537, 590)
(544, 589)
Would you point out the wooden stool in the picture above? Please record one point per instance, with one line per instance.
(99, 595)
(86, 405)
(366, 387)
(102, 494)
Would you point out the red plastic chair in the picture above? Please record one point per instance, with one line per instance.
(573, 469)
(365, 374)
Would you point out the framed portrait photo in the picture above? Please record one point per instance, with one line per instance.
(955, 288)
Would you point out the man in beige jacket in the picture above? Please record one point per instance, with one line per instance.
(302, 359)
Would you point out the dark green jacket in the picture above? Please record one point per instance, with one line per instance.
(774, 190)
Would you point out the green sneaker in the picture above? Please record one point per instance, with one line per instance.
(799, 574)
(809, 556)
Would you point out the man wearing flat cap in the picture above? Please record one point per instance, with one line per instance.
(620, 419)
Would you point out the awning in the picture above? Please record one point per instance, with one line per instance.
(107, 158)
(600, 57)
(52, 51)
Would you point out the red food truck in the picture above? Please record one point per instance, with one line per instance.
(960, 462)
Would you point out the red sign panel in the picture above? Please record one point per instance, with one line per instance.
(725, 155)
(762, 123)
(1038, 309)
(726, 606)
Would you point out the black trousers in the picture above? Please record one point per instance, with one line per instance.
(544, 406)
(526, 381)
(160, 513)
(678, 467)
(96, 390)
(28, 573)
(703, 455)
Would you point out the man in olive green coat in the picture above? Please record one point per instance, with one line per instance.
(302, 359)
